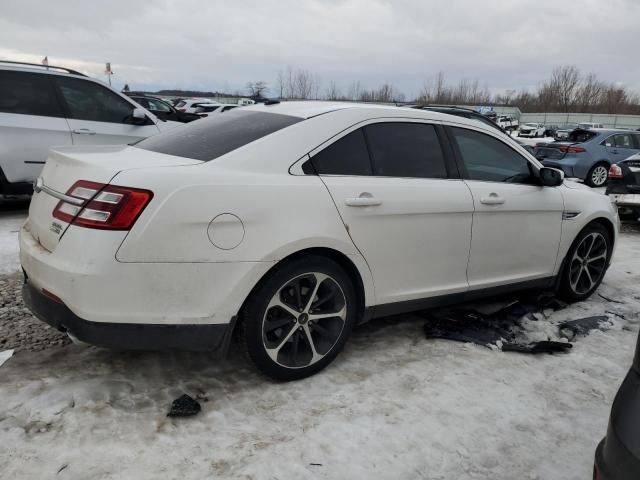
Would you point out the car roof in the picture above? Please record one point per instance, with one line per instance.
(36, 68)
(308, 109)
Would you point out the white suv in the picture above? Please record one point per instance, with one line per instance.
(43, 107)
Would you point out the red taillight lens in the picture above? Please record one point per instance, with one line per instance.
(182, 110)
(107, 207)
(571, 149)
(615, 171)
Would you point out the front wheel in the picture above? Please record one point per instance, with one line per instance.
(597, 175)
(297, 321)
(586, 263)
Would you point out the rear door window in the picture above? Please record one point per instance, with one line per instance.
(488, 159)
(400, 149)
(215, 136)
(624, 140)
(346, 156)
(28, 94)
(87, 100)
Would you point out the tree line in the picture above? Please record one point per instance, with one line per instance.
(567, 90)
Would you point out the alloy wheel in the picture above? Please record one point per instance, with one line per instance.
(588, 263)
(304, 320)
(599, 175)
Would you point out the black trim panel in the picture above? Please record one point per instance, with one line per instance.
(128, 336)
(453, 298)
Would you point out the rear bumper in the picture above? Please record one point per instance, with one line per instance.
(127, 336)
(626, 200)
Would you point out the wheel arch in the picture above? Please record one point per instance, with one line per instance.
(362, 281)
(606, 223)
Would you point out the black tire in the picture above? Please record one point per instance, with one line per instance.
(591, 181)
(289, 283)
(568, 288)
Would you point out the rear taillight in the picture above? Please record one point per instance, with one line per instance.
(182, 110)
(615, 171)
(107, 207)
(568, 149)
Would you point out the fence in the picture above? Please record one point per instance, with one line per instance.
(609, 121)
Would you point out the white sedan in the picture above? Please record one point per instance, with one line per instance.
(285, 225)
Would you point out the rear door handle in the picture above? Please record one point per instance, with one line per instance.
(492, 199)
(84, 131)
(364, 200)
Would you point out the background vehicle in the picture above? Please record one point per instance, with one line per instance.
(588, 154)
(238, 223)
(563, 131)
(507, 123)
(206, 109)
(531, 130)
(162, 109)
(187, 105)
(618, 454)
(45, 107)
(550, 130)
(624, 187)
(590, 125)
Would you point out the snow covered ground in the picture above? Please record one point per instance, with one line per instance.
(394, 405)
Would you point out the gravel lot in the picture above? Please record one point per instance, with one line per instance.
(19, 330)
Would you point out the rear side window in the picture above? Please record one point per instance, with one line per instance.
(624, 140)
(87, 100)
(405, 150)
(488, 159)
(215, 136)
(347, 156)
(28, 94)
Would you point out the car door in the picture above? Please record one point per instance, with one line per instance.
(404, 209)
(99, 116)
(620, 146)
(31, 122)
(516, 223)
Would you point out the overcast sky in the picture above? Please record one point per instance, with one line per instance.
(220, 45)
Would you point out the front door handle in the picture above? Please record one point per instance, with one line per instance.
(84, 131)
(364, 200)
(492, 199)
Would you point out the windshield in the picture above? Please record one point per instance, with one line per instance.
(215, 136)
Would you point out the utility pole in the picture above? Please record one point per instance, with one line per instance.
(108, 71)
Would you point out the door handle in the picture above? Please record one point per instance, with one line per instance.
(364, 200)
(84, 131)
(492, 199)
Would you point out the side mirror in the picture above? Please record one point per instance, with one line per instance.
(551, 177)
(138, 116)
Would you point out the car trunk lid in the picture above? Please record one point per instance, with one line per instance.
(552, 151)
(65, 167)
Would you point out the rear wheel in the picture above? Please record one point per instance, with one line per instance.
(586, 263)
(598, 175)
(298, 320)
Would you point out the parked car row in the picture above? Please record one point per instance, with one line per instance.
(588, 154)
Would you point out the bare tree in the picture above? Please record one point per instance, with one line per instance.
(256, 89)
(333, 92)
